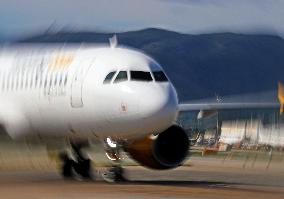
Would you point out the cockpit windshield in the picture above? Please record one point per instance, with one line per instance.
(160, 76)
(109, 77)
(140, 76)
(144, 76)
(122, 76)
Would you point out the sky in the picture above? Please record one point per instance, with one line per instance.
(18, 17)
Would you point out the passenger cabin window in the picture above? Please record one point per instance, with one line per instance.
(109, 77)
(141, 76)
(122, 76)
(160, 76)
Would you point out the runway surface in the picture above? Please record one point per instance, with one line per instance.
(185, 182)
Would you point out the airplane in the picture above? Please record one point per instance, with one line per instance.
(77, 93)
(82, 92)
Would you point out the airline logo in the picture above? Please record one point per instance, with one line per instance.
(60, 62)
(281, 96)
(57, 67)
(47, 72)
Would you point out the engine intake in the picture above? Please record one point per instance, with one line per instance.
(167, 150)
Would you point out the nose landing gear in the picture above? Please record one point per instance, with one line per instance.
(116, 172)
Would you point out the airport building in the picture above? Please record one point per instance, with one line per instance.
(240, 128)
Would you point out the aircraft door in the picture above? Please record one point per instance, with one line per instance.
(77, 84)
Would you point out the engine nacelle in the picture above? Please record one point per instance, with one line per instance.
(167, 150)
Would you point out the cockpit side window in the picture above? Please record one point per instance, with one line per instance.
(109, 77)
(140, 76)
(160, 76)
(122, 76)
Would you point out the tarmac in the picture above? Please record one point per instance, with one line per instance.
(202, 178)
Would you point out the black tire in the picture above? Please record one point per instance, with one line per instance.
(67, 166)
(83, 168)
(118, 173)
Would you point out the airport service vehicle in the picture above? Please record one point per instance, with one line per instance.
(83, 92)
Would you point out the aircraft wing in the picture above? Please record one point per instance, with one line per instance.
(226, 105)
(209, 109)
(260, 100)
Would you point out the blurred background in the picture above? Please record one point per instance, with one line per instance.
(229, 49)
(213, 51)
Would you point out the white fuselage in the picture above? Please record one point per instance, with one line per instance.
(59, 91)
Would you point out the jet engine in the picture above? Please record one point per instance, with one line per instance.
(166, 150)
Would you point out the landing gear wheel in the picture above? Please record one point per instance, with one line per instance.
(80, 166)
(114, 174)
(83, 168)
(67, 166)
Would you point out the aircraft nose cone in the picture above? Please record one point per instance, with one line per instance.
(160, 107)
